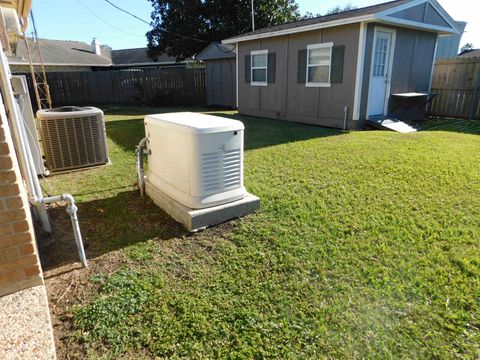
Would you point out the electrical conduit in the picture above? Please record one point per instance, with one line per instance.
(27, 165)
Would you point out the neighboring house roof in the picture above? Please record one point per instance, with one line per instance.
(469, 53)
(385, 12)
(139, 56)
(77, 53)
(215, 51)
(61, 53)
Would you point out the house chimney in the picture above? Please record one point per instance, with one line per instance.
(96, 46)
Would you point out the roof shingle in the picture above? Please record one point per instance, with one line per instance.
(369, 10)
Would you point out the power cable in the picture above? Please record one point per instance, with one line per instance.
(127, 12)
(146, 22)
(106, 22)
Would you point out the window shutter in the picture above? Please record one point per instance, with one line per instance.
(336, 72)
(271, 63)
(302, 66)
(247, 69)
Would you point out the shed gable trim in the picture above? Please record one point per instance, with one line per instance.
(390, 16)
(383, 16)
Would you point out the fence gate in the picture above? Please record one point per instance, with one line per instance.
(456, 83)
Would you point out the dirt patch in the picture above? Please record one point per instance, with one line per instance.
(69, 285)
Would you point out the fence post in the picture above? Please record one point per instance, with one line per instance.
(474, 104)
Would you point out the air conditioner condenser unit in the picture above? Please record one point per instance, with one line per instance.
(73, 137)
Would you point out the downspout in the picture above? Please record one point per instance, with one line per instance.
(27, 165)
(139, 152)
(25, 157)
(236, 71)
(345, 114)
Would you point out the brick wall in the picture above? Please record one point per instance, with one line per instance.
(19, 263)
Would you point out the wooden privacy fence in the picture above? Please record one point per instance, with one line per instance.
(456, 84)
(153, 86)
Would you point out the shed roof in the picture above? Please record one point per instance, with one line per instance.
(377, 12)
(470, 53)
(61, 53)
(215, 51)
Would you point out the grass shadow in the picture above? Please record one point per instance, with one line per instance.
(463, 126)
(107, 225)
(259, 132)
(262, 132)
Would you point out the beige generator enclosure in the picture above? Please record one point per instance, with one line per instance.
(195, 159)
(73, 137)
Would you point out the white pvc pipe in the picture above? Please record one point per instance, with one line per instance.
(72, 211)
(27, 165)
(25, 157)
(140, 173)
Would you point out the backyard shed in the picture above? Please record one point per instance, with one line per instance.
(343, 68)
(220, 74)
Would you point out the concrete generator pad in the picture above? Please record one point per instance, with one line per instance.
(196, 219)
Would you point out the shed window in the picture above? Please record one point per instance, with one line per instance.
(319, 62)
(259, 60)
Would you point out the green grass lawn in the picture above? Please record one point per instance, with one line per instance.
(366, 246)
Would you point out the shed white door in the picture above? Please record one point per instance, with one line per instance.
(380, 73)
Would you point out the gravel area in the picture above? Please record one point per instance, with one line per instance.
(25, 325)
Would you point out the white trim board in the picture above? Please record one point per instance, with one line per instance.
(380, 17)
(362, 41)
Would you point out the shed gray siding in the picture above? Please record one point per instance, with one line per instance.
(287, 99)
(412, 62)
(221, 82)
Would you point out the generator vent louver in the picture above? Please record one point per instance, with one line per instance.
(73, 137)
(221, 171)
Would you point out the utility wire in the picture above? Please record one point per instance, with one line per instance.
(106, 22)
(127, 12)
(146, 22)
(164, 30)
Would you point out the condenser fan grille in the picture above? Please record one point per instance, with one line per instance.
(74, 142)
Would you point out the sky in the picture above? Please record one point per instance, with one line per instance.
(82, 20)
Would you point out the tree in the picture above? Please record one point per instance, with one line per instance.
(467, 46)
(310, 15)
(182, 28)
(335, 10)
(338, 9)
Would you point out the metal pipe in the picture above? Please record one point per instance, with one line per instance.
(139, 152)
(72, 211)
(345, 113)
(24, 154)
(27, 164)
(253, 17)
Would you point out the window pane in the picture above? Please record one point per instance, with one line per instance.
(315, 56)
(259, 60)
(318, 74)
(259, 75)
